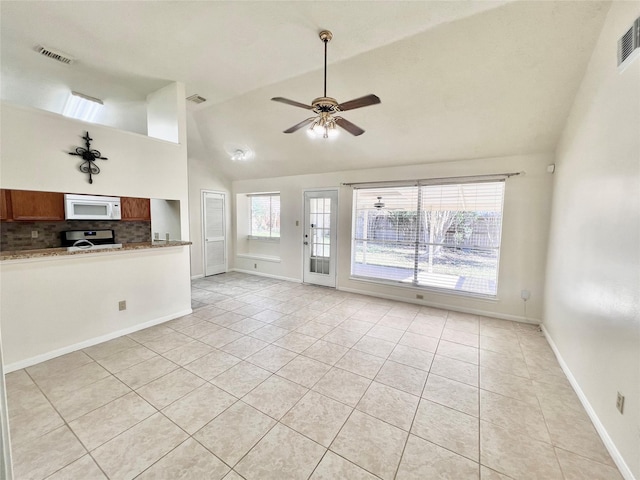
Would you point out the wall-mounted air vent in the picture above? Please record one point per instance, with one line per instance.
(196, 99)
(55, 54)
(629, 43)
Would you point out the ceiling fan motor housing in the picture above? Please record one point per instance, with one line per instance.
(325, 104)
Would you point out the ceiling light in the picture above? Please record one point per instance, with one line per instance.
(82, 107)
(239, 152)
(241, 155)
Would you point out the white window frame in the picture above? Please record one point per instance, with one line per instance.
(271, 237)
(414, 283)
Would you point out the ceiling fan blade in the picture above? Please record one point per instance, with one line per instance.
(298, 126)
(359, 103)
(349, 127)
(292, 102)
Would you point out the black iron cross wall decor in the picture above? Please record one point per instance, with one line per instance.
(89, 156)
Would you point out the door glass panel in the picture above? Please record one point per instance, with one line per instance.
(320, 235)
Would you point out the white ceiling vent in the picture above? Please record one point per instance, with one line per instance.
(629, 44)
(55, 54)
(196, 99)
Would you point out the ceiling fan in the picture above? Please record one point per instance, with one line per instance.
(326, 108)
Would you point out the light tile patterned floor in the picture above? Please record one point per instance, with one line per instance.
(272, 380)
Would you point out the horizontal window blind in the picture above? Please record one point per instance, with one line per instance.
(444, 236)
(265, 215)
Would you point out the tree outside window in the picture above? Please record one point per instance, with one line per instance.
(265, 215)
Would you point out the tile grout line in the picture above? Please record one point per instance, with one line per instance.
(544, 417)
(416, 412)
(330, 365)
(66, 424)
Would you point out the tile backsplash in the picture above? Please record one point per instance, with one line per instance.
(17, 235)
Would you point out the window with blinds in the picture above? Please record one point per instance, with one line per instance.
(265, 215)
(444, 236)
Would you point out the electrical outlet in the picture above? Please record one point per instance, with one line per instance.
(620, 403)
(156, 236)
(255, 265)
(34, 233)
(122, 305)
(297, 223)
(419, 296)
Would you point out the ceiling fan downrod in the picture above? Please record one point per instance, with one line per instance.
(325, 36)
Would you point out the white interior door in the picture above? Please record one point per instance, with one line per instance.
(215, 242)
(320, 239)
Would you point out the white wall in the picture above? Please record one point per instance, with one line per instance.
(49, 305)
(34, 153)
(165, 219)
(35, 146)
(163, 114)
(124, 108)
(592, 294)
(6, 468)
(202, 176)
(525, 230)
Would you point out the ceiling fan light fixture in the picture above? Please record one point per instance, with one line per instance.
(379, 204)
(324, 126)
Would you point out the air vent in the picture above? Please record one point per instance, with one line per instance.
(196, 99)
(55, 54)
(629, 42)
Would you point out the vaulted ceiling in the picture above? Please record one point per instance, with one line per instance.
(457, 79)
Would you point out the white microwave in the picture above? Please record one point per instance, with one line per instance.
(90, 207)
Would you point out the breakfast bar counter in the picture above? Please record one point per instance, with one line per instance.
(54, 301)
(64, 251)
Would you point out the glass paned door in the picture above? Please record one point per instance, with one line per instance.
(320, 237)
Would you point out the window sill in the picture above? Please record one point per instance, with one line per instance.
(264, 239)
(423, 288)
(265, 258)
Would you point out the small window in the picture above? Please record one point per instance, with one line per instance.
(265, 216)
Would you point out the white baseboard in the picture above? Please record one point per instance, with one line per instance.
(12, 367)
(268, 275)
(195, 277)
(473, 311)
(602, 431)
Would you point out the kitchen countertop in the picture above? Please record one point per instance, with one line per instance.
(62, 251)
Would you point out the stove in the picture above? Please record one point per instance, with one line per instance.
(76, 240)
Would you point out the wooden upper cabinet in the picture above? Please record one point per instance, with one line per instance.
(135, 209)
(5, 205)
(32, 206)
